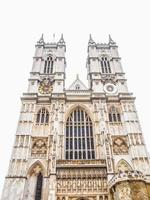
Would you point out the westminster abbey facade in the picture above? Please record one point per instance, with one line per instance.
(80, 143)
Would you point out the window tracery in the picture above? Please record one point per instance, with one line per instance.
(48, 66)
(105, 65)
(79, 136)
(114, 115)
(42, 116)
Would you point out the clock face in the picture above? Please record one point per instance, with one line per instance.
(110, 88)
(45, 86)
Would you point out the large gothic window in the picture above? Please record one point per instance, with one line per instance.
(39, 183)
(79, 136)
(42, 116)
(48, 67)
(105, 65)
(114, 115)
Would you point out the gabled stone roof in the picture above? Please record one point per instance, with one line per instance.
(77, 85)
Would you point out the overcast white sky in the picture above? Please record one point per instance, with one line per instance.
(23, 22)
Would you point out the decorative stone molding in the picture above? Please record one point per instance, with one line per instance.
(120, 145)
(81, 162)
(39, 146)
(108, 78)
(126, 175)
(80, 180)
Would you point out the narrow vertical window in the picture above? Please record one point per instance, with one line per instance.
(105, 65)
(48, 66)
(42, 116)
(114, 115)
(38, 192)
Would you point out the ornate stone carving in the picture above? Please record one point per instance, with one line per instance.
(39, 146)
(124, 191)
(108, 153)
(82, 198)
(139, 191)
(120, 145)
(133, 190)
(108, 78)
(126, 176)
(36, 170)
(123, 166)
(90, 180)
(81, 162)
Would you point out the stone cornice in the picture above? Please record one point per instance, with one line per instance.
(20, 177)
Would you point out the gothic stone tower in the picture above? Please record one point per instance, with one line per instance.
(78, 143)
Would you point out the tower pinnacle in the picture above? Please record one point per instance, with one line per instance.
(91, 41)
(53, 40)
(111, 40)
(61, 41)
(77, 76)
(41, 40)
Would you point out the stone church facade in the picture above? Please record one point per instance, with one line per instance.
(80, 143)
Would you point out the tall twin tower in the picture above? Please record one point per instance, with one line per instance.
(80, 143)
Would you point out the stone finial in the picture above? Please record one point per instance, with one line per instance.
(53, 40)
(91, 41)
(111, 40)
(41, 40)
(61, 41)
(77, 76)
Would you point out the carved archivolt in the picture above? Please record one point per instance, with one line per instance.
(39, 146)
(123, 166)
(120, 145)
(36, 168)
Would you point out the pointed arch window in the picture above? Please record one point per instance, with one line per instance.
(42, 116)
(114, 115)
(79, 136)
(48, 66)
(105, 65)
(39, 183)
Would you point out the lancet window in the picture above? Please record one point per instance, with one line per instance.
(114, 115)
(105, 65)
(39, 183)
(48, 66)
(42, 116)
(79, 136)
